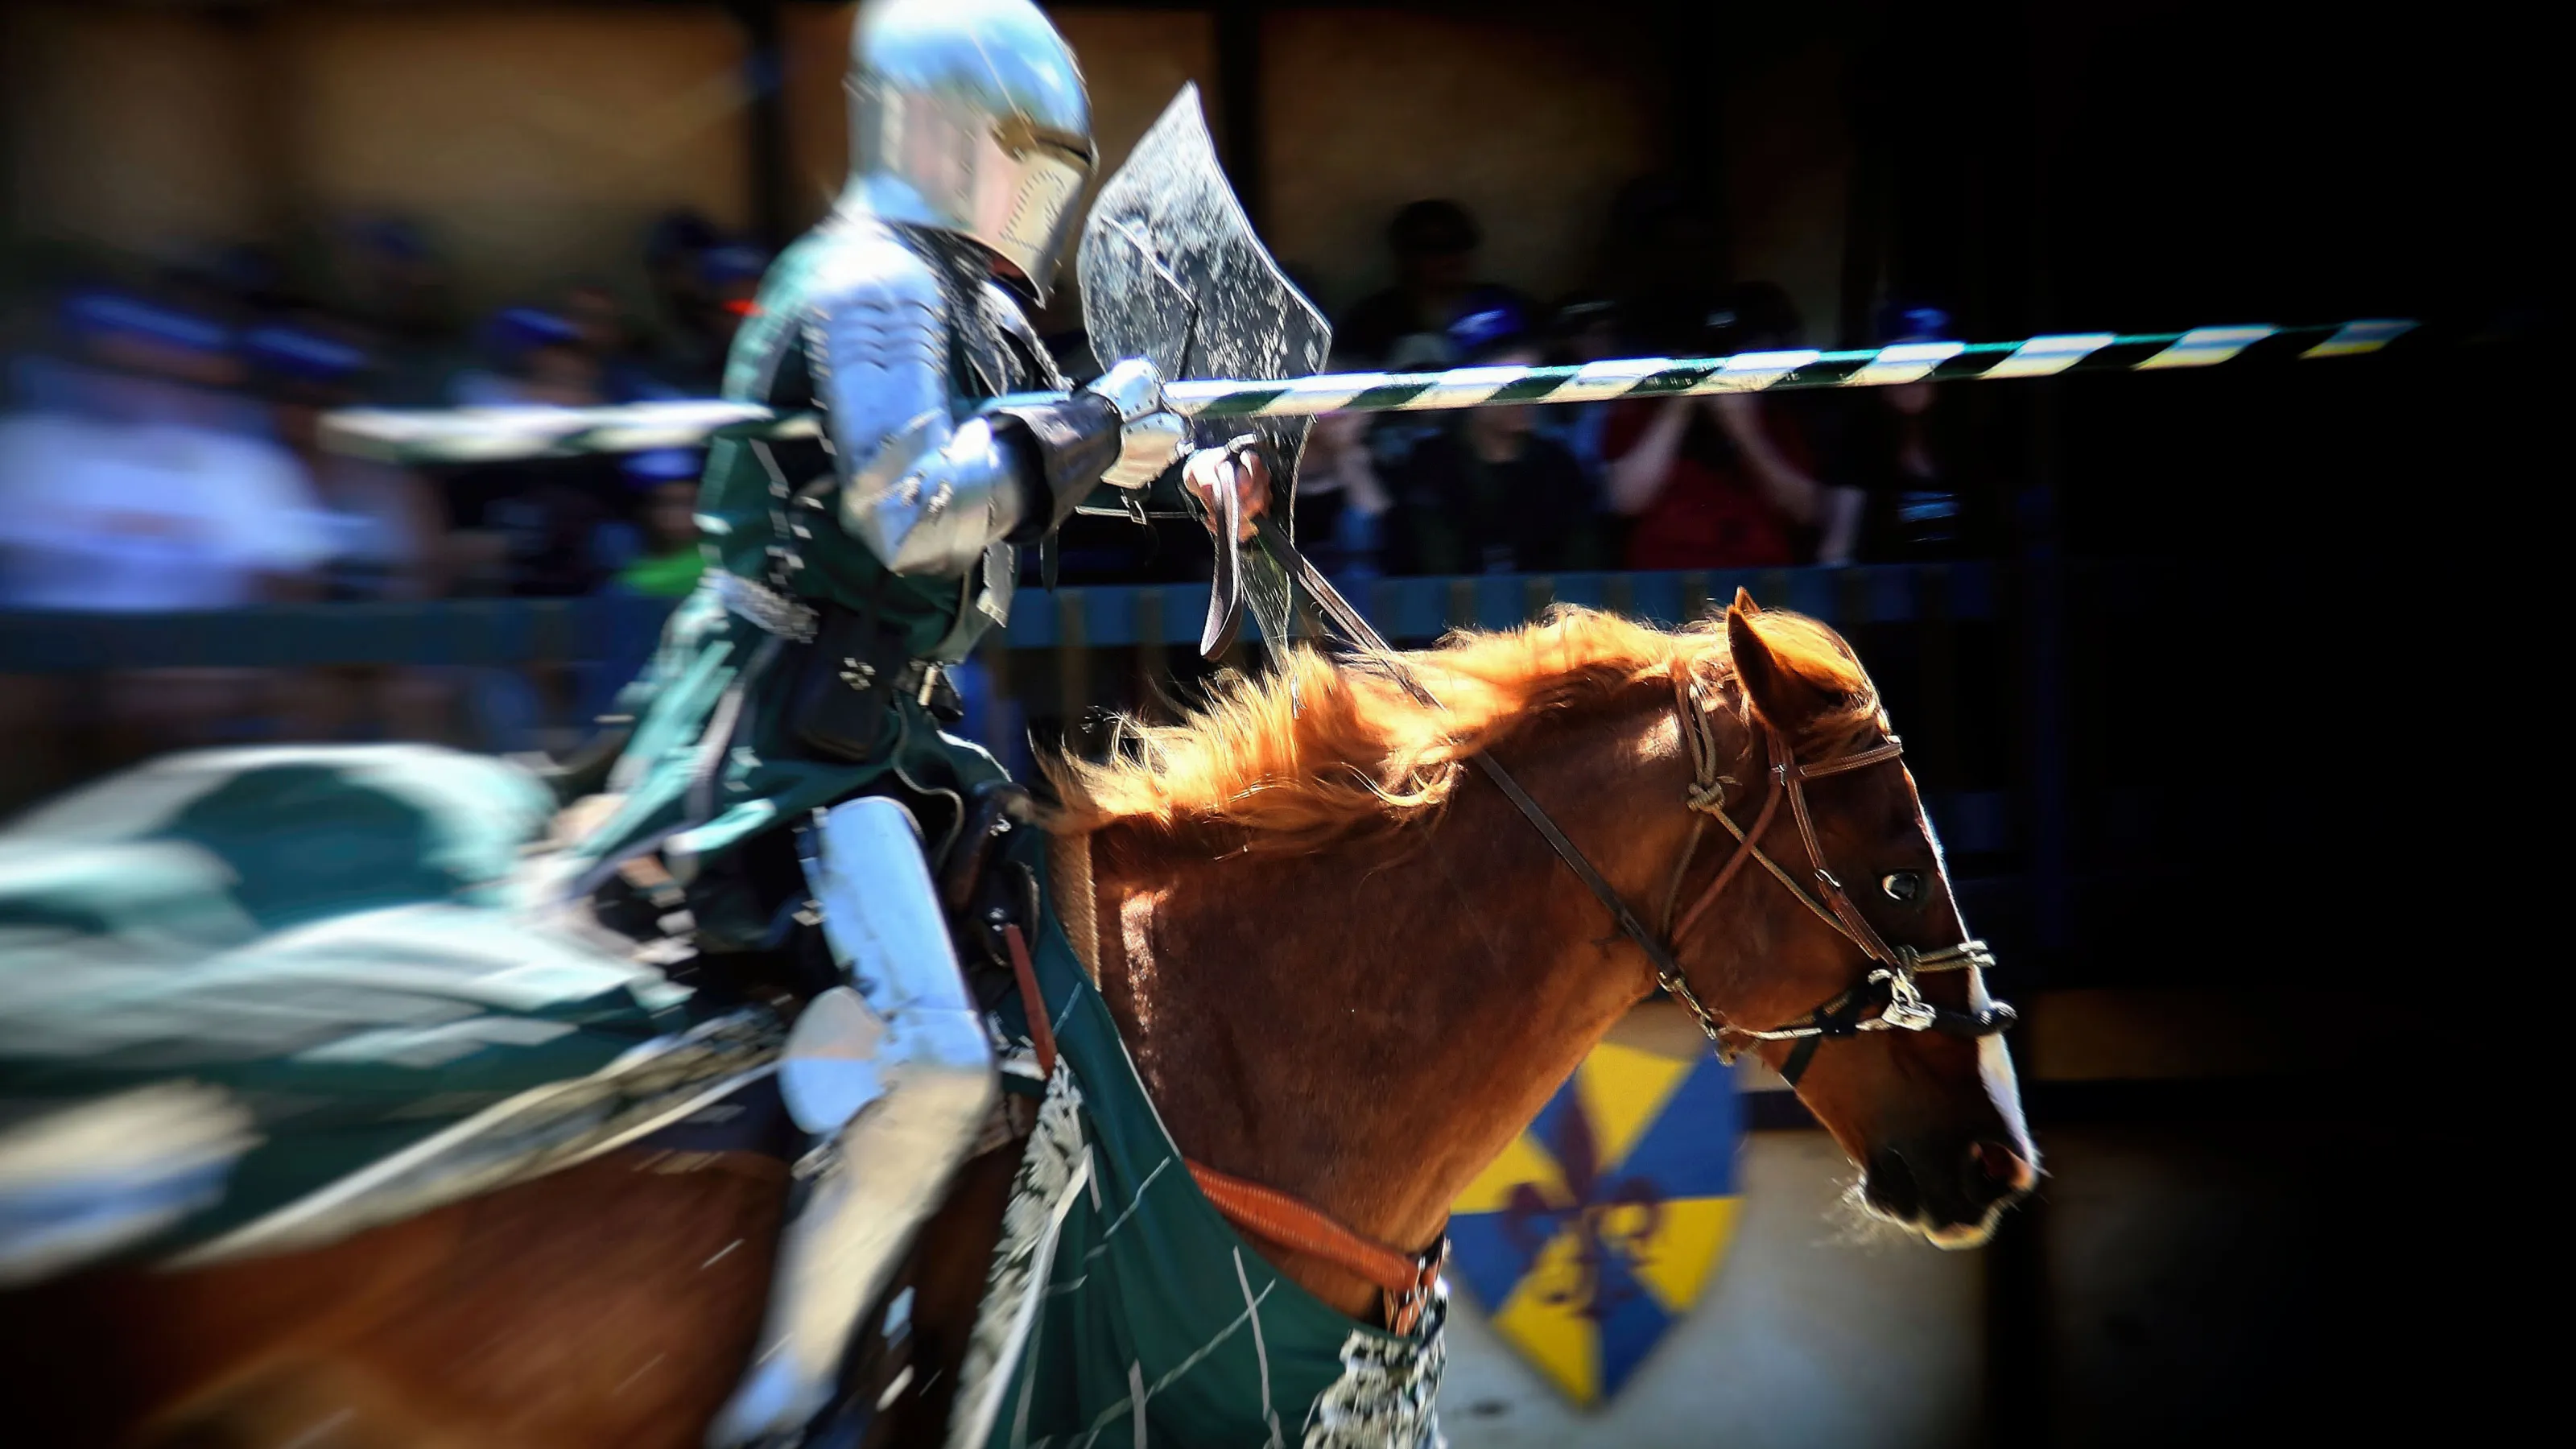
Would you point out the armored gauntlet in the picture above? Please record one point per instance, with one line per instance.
(1151, 437)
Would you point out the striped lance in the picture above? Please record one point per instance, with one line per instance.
(484, 435)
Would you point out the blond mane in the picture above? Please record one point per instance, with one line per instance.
(1316, 752)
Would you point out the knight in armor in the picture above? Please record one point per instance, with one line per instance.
(786, 742)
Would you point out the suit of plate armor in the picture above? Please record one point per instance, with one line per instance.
(850, 573)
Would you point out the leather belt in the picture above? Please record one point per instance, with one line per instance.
(850, 679)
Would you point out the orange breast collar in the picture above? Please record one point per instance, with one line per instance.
(1403, 1279)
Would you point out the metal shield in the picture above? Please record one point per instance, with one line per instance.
(1596, 1230)
(1172, 271)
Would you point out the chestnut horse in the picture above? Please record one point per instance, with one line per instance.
(1345, 966)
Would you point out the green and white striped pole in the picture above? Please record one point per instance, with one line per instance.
(472, 435)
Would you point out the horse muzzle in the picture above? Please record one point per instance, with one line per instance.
(1952, 1196)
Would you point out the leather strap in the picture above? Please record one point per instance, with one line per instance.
(1845, 911)
(1032, 1001)
(1405, 1278)
(1745, 849)
(1841, 1016)
(1666, 968)
(1357, 627)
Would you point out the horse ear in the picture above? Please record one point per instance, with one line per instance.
(1779, 694)
(1743, 603)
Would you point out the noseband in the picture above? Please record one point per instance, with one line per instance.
(1889, 998)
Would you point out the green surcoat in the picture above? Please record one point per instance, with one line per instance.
(712, 761)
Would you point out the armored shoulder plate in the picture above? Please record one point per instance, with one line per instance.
(925, 492)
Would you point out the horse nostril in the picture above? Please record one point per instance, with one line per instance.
(1890, 1186)
(2000, 1166)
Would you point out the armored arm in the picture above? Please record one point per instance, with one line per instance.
(922, 491)
(927, 493)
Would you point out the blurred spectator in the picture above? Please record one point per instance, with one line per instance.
(731, 273)
(232, 284)
(135, 497)
(546, 517)
(1663, 251)
(625, 373)
(1726, 481)
(130, 497)
(595, 317)
(1435, 268)
(722, 280)
(671, 252)
(112, 340)
(554, 524)
(1888, 460)
(654, 556)
(667, 561)
(544, 358)
(1392, 437)
(400, 289)
(1341, 504)
(1585, 329)
(387, 526)
(1488, 493)
(388, 536)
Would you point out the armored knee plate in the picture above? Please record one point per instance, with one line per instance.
(895, 1073)
(905, 1015)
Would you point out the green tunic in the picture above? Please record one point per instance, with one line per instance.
(712, 761)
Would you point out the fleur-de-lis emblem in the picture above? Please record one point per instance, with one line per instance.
(1593, 1233)
(1613, 1219)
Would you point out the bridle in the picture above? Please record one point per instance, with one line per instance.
(1886, 999)
(1890, 990)
(1889, 998)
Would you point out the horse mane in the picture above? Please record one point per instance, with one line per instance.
(1317, 752)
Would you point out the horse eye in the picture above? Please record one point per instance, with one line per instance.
(1902, 885)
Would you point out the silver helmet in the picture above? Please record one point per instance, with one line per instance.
(969, 116)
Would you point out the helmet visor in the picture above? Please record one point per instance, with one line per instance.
(1024, 206)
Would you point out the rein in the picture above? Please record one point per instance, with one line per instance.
(1887, 999)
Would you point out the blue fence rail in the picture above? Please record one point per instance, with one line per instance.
(2038, 831)
(1063, 654)
(506, 632)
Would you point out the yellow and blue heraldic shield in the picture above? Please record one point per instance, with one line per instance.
(1595, 1231)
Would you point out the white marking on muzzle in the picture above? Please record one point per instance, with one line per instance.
(1994, 1059)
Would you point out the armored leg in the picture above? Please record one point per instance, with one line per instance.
(898, 1078)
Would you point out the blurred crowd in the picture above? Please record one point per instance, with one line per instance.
(1721, 482)
(159, 450)
(160, 447)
